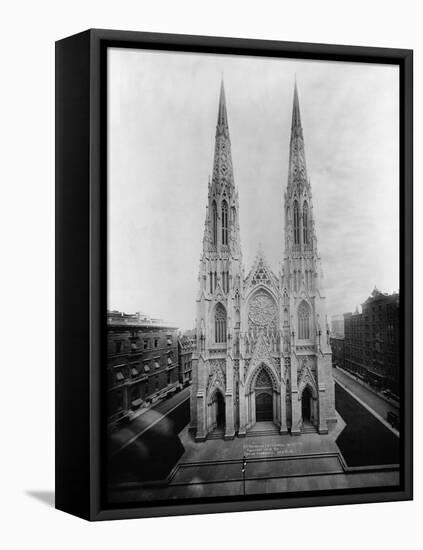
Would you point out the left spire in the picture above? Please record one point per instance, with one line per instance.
(222, 165)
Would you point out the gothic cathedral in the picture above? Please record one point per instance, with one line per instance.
(263, 359)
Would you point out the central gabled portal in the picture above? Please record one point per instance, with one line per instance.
(263, 399)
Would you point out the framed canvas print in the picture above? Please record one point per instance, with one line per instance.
(234, 274)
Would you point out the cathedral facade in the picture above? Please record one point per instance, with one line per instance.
(263, 357)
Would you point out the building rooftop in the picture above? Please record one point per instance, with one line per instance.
(138, 319)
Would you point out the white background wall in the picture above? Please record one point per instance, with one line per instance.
(27, 36)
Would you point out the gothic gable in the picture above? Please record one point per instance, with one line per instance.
(217, 376)
(262, 354)
(306, 378)
(261, 275)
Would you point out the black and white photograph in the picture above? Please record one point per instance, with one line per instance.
(253, 277)
(210, 242)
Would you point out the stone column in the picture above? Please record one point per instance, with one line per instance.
(295, 404)
(252, 411)
(275, 405)
(242, 404)
(201, 417)
(229, 398)
(323, 426)
(283, 428)
(322, 366)
(229, 416)
(242, 413)
(296, 413)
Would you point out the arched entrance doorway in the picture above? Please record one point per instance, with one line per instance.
(264, 407)
(220, 411)
(306, 406)
(262, 400)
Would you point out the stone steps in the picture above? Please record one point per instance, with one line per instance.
(216, 434)
(263, 428)
(309, 429)
(260, 433)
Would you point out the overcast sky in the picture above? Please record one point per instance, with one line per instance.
(162, 121)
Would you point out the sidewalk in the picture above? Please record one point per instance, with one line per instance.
(392, 402)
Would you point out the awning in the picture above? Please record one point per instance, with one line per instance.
(134, 371)
(157, 364)
(146, 368)
(119, 376)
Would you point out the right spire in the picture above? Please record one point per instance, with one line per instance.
(297, 176)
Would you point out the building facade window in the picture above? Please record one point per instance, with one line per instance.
(220, 324)
(214, 223)
(225, 281)
(296, 223)
(224, 223)
(304, 321)
(305, 223)
(118, 347)
(119, 376)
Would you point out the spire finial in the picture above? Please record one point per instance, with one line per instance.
(296, 118)
(222, 117)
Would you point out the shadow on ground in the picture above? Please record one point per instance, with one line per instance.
(365, 441)
(46, 497)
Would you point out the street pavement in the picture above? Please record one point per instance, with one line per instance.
(371, 399)
(165, 406)
(145, 421)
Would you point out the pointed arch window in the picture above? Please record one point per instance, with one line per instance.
(296, 223)
(305, 223)
(214, 223)
(220, 324)
(224, 222)
(225, 281)
(303, 321)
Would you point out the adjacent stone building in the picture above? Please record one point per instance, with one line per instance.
(337, 326)
(263, 351)
(338, 351)
(186, 347)
(142, 362)
(372, 341)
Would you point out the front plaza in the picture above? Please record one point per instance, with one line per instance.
(280, 463)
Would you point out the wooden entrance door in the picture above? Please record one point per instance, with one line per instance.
(306, 405)
(264, 407)
(220, 410)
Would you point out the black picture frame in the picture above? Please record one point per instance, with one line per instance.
(81, 237)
